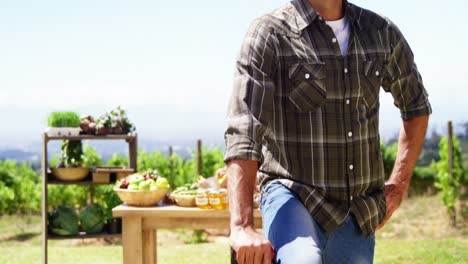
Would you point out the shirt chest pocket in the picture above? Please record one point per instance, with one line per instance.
(373, 72)
(306, 91)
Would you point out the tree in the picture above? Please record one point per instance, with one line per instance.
(449, 185)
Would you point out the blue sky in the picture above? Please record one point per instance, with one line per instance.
(170, 63)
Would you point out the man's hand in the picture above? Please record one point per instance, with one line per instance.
(393, 196)
(409, 146)
(250, 246)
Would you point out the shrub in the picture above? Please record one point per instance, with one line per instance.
(177, 170)
(388, 156)
(212, 159)
(107, 198)
(90, 157)
(72, 195)
(425, 173)
(449, 185)
(117, 161)
(20, 186)
(20, 189)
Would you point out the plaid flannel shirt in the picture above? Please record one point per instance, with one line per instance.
(310, 116)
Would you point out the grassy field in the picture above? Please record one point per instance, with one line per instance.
(418, 233)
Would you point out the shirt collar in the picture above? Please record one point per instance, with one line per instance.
(306, 14)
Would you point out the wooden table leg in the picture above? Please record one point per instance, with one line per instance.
(150, 246)
(132, 240)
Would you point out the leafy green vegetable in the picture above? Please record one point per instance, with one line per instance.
(64, 221)
(92, 218)
(64, 119)
(72, 152)
(189, 192)
(187, 189)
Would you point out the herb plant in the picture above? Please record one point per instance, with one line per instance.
(64, 119)
(72, 153)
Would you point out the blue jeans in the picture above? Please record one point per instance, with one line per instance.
(298, 238)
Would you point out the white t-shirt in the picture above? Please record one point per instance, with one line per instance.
(341, 29)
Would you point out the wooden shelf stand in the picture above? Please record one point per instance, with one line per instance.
(48, 178)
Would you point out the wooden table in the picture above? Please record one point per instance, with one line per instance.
(140, 224)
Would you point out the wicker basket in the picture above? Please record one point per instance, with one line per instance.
(70, 174)
(140, 198)
(184, 200)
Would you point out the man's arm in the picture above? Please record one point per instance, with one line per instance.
(249, 116)
(411, 139)
(250, 246)
(405, 84)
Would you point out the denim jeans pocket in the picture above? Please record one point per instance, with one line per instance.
(266, 193)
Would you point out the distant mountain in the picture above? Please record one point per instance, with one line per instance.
(19, 155)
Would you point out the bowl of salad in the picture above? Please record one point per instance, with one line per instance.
(185, 195)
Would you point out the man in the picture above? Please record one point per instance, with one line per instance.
(304, 116)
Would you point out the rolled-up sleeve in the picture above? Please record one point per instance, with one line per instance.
(250, 109)
(403, 80)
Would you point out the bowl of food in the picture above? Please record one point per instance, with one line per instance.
(142, 189)
(184, 200)
(70, 173)
(185, 195)
(70, 166)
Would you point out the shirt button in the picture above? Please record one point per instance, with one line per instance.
(377, 73)
(351, 198)
(350, 134)
(345, 70)
(351, 167)
(307, 76)
(347, 101)
(334, 40)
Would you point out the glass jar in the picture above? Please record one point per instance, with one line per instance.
(224, 198)
(201, 199)
(215, 199)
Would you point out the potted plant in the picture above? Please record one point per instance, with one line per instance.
(63, 124)
(70, 167)
(104, 125)
(114, 122)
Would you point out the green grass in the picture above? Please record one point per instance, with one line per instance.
(422, 251)
(387, 251)
(198, 253)
(417, 233)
